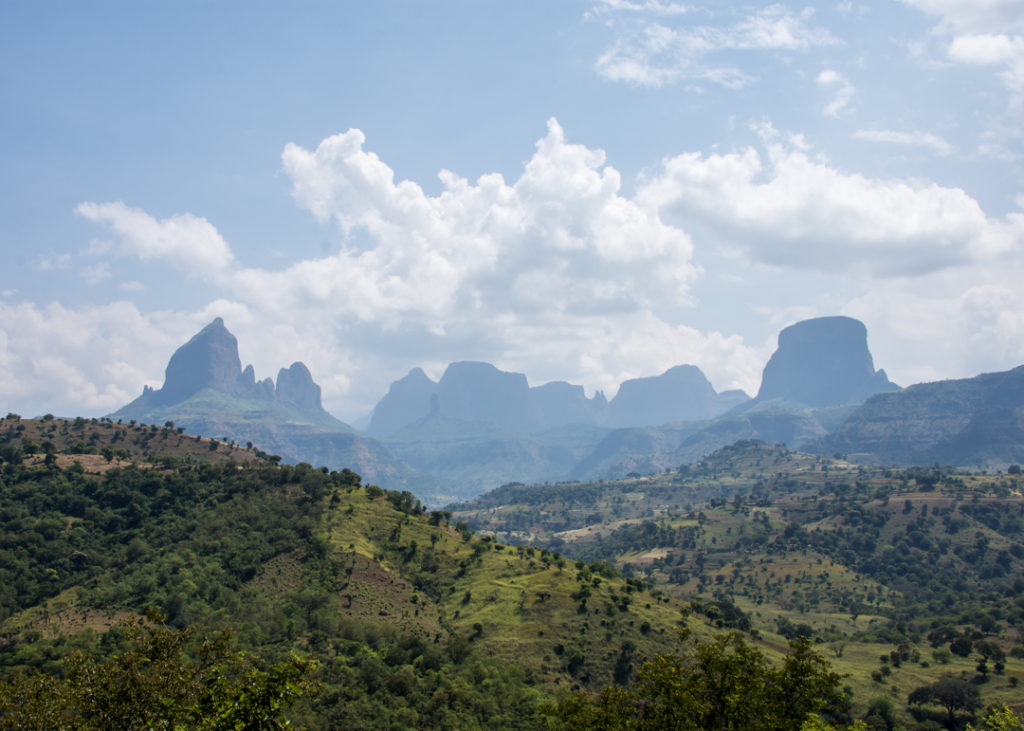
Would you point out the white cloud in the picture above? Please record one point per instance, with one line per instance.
(648, 52)
(975, 16)
(54, 261)
(84, 361)
(656, 7)
(560, 238)
(964, 322)
(842, 91)
(786, 209)
(988, 48)
(912, 139)
(557, 264)
(187, 242)
(984, 32)
(999, 50)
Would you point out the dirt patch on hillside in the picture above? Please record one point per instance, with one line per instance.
(371, 592)
(73, 620)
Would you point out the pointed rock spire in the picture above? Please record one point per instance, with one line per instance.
(208, 360)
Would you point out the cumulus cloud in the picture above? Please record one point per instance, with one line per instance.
(656, 7)
(984, 32)
(560, 238)
(975, 16)
(558, 273)
(951, 324)
(786, 208)
(647, 51)
(911, 139)
(556, 266)
(188, 243)
(842, 91)
(80, 361)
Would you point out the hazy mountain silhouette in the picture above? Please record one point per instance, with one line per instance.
(207, 392)
(823, 362)
(971, 422)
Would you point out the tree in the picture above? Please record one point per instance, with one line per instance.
(951, 693)
(724, 683)
(154, 683)
(1000, 719)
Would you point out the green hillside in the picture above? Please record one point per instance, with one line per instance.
(901, 575)
(414, 620)
(898, 577)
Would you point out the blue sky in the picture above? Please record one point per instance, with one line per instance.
(582, 191)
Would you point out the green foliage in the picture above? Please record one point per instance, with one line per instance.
(724, 683)
(999, 719)
(953, 694)
(155, 683)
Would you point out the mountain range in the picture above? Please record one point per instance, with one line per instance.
(479, 427)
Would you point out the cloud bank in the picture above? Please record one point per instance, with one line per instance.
(559, 274)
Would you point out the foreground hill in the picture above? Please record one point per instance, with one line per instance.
(416, 621)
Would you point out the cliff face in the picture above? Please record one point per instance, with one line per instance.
(479, 392)
(210, 361)
(407, 400)
(823, 362)
(681, 393)
(974, 422)
(295, 387)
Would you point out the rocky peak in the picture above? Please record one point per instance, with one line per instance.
(474, 391)
(681, 393)
(407, 400)
(295, 388)
(208, 360)
(823, 362)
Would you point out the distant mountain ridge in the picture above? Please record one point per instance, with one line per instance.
(207, 392)
(479, 427)
(479, 392)
(967, 422)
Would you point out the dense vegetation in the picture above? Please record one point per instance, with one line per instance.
(413, 621)
(722, 684)
(402, 617)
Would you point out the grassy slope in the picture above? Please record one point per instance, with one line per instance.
(775, 540)
(371, 557)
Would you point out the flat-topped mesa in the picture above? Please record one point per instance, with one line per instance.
(823, 362)
(474, 391)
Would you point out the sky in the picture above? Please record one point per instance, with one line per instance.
(581, 191)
